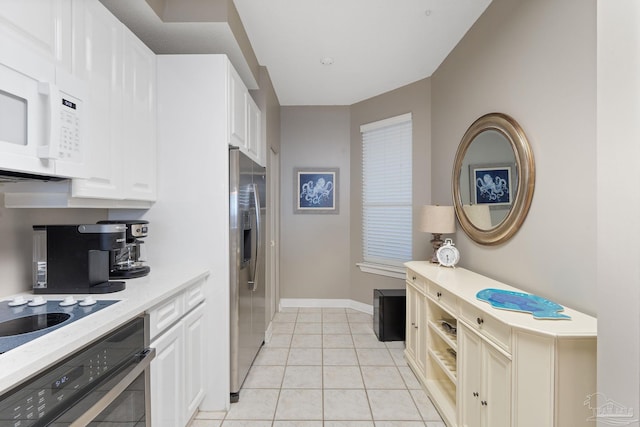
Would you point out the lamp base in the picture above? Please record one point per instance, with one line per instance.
(436, 242)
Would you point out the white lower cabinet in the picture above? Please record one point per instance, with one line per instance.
(484, 397)
(177, 334)
(167, 378)
(194, 335)
(486, 367)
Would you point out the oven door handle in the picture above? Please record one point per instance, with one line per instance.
(145, 360)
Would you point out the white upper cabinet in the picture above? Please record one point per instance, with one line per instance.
(121, 75)
(245, 119)
(237, 110)
(138, 155)
(101, 55)
(42, 27)
(255, 145)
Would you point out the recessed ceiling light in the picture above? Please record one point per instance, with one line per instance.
(427, 12)
(327, 60)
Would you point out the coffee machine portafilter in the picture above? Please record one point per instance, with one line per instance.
(128, 262)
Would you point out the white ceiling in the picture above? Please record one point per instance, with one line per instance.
(376, 45)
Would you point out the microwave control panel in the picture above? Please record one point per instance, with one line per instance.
(70, 148)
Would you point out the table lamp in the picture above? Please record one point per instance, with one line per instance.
(437, 220)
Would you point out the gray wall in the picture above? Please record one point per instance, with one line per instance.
(319, 252)
(513, 60)
(314, 253)
(536, 61)
(16, 240)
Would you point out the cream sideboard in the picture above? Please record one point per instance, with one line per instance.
(498, 368)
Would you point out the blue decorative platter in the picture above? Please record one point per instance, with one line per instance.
(517, 301)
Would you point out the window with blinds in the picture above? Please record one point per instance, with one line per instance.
(387, 191)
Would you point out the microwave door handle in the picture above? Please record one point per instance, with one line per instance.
(256, 200)
(145, 360)
(51, 149)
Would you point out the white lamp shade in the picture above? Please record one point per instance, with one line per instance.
(437, 219)
(479, 215)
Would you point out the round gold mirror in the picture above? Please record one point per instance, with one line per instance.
(493, 179)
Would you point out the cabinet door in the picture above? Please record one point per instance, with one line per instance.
(255, 144)
(421, 332)
(139, 93)
(41, 27)
(469, 377)
(101, 53)
(194, 338)
(496, 397)
(237, 110)
(412, 323)
(484, 393)
(167, 396)
(416, 329)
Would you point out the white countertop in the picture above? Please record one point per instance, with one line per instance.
(140, 295)
(466, 284)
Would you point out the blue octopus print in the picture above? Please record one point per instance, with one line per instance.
(316, 191)
(492, 189)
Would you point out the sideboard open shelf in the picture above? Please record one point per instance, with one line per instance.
(486, 367)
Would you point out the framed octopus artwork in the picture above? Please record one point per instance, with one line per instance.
(316, 190)
(491, 184)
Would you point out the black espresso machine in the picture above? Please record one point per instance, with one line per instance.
(128, 262)
(75, 259)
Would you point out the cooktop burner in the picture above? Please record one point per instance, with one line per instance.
(23, 320)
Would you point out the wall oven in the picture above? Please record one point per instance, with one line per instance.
(104, 384)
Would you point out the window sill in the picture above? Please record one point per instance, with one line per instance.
(383, 270)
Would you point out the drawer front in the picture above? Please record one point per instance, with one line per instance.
(165, 314)
(193, 296)
(444, 298)
(418, 282)
(497, 332)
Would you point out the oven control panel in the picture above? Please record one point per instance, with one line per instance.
(48, 395)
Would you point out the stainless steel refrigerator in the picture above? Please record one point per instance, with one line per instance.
(247, 210)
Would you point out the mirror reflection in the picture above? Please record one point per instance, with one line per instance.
(488, 179)
(493, 179)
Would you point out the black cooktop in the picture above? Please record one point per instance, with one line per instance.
(20, 324)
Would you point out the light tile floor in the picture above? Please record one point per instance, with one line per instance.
(326, 368)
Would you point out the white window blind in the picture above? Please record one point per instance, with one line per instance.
(387, 191)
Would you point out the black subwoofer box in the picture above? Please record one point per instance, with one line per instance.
(389, 311)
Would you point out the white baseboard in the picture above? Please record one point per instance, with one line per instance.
(325, 303)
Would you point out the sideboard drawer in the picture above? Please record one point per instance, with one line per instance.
(446, 299)
(494, 330)
(417, 281)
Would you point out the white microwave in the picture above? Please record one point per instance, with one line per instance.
(42, 116)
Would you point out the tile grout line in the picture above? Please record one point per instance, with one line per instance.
(358, 359)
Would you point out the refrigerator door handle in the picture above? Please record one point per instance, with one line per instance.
(256, 199)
